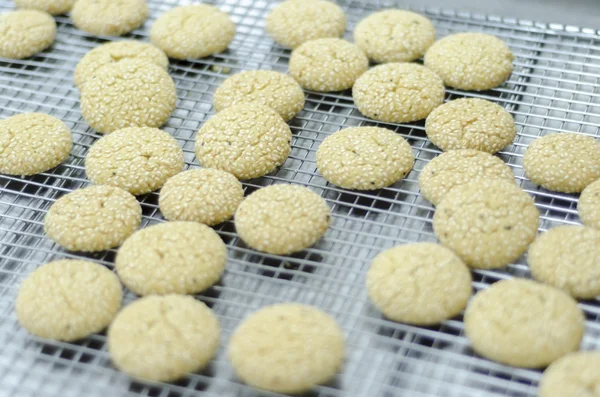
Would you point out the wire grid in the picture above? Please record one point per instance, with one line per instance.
(554, 87)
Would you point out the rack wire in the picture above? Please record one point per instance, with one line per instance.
(555, 87)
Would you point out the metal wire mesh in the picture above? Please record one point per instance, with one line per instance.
(555, 87)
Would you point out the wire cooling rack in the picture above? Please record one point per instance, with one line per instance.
(555, 87)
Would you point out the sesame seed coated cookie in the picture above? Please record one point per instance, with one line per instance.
(470, 61)
(470, 123)
(398, 275)
(95, 218)
(138, 160)
(31, 143)
(394, 36)
(53, 7)
(398, 92)
(327, 64)
(109, 17)
(487, 223)
(68, 300)
(294, 22)
(282, 219)
(287, 348)
(163, 338)
(523, 323)
(563, 162)
(574, 375)
(588, 205)
(276, 90)
(25, 33)
(247, 140)
(458, 167)
(364, 158)
(193, 31)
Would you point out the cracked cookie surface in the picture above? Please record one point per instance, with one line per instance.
(109, 17)
(24, 33)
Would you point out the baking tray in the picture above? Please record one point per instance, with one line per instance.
(554, 87)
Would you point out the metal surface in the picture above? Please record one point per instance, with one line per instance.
(555, 87)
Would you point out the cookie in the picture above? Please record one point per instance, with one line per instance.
(129, 93)
(563, 162)
(293, 22)
(574, 375)
(247, 140)
(109, 17)
(92, 219)
(364, 158)
(588, 205)
(470, 61)
(31, 143)
(138, 160)
(327, 65)
(282, 219)
(204, 195)
(163, 338)
(52, 7)
(394, 36)
(68, 300)
(287, 348)
(193, 31)
(487, 223)
(458, 167)
(25, 33)
(397, 276)
(398, 92)
(470, 123)
(276, 90)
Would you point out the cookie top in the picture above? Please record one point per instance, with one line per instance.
(25, 33)
(247, 140)
(588, 205)
(276, 90)
(574, 375)
(193, 31)
(163, 338)
(31, 143)
(504, 321)
(282, 219)
(364, 158)
(92, 219)
(287, 348)
(458, 167)
(111, 98)
(53, 7)
(394, 36)
(109, 17)
(139, 160)
(398, 92)
(563, 162)
(487, 223)
(470, 61)
(397, 276)
(68, 300)
(293, 22)
(470, 123)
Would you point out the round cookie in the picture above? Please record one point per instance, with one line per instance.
(287, 348)
(163, 338)
(193, 31)
(31, 143)
(139, 160)
(294, 22)
(574, 375)
(487, 223)
(282, 219)
(470, 61)
(25, 33)
(394, 36)
(53, 7)
(470, 123)
(563, 162)
(588, 205)
(504, 321)
(398, 92)
(364, 158)
(247, 140)
(397, 276)
(109, 17)
(92, 219)
(327, 65)
(129, 93)
(458, 167)
(276, 90)
(68, 300)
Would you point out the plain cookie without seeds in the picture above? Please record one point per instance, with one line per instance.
(574, 375)
(109, 17)
(24, 33)
(588, 205)
(52, 7)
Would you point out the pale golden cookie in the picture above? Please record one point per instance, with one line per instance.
(52, 7)
(588, 205)
(574, 375)
(25, 33)
(109, 17)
